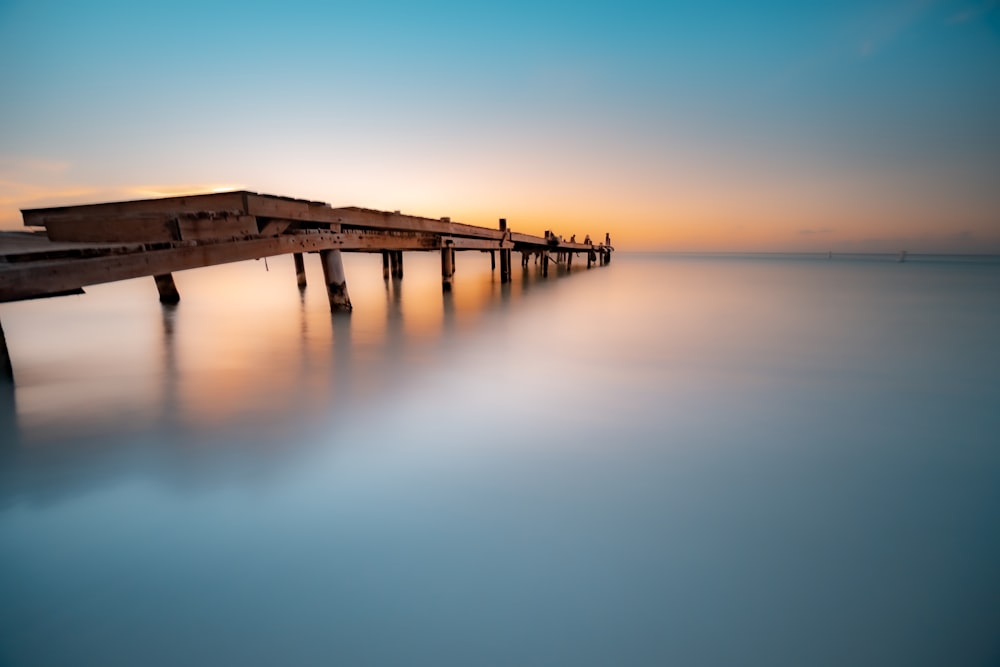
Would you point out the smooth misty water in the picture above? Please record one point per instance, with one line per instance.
(670, 460)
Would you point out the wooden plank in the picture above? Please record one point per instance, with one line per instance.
(233, 202)
(372, 219)
(24, 280)
(274, 227)
(204, 228)
(459, 243)
(268, 206)
(111, 229)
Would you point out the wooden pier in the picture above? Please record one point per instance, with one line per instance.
(100, 243)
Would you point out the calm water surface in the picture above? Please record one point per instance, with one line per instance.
(670, 460)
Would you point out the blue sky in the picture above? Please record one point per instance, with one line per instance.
(710, 125)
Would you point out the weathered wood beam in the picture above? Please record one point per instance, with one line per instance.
(459, 243)
(26, 279)
(371, 219)
(233, 202)
(300, 210)
(274, 227)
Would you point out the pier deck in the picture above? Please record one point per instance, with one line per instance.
(100, 243)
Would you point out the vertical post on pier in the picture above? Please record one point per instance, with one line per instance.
(447, 265)
(300, 269)
(591, 256)
(396, 260)
(569, 260)
(504, 266)
(336, 281)
(6, 369)
(167, 289)
(493, 260)
(504, 255)
(385, 265)
(545, 264)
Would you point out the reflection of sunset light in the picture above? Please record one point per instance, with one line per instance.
(243, 343)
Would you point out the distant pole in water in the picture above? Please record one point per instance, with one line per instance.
(902, 255)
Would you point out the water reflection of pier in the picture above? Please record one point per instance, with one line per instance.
(202, 385)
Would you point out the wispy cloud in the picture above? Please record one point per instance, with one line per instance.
(814, 232)
(880, 30)
(973, 12)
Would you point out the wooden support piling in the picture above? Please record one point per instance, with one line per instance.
(300, 269)
(505, 265)
(493, 260)
(545, 264)
(167, 289)
(396, 262)
(447, 267)
(336, 281)
(569, 260)
(591, 256)
(385, 265)
(6, 369)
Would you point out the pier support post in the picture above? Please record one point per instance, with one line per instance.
(493, 260)
(6, 369)
(385, 265)
(396, 262)
(591, 256)
(167, 289)
(504, 266)
(447, 266)
(545, 264)
(569, 260)
(300, 269)
(336, 281)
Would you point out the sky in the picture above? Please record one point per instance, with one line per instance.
(678, 126)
